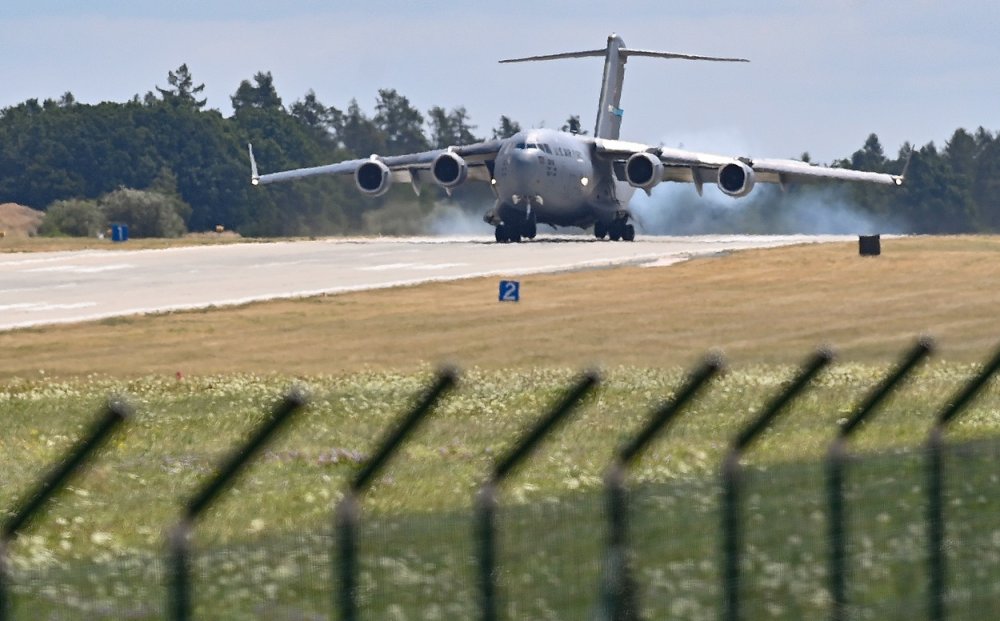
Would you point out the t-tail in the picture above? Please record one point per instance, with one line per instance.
(609, 111)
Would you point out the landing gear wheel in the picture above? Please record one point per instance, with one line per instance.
(616, 230)
(629, 233)
(600, 230)
(507, 233)
(530, 227)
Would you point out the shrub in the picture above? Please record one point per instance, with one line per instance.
(147, 214)
(75, 218)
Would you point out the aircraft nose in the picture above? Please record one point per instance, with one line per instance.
(525, 160)
(526, 165)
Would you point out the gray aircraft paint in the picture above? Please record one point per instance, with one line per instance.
(551, 174)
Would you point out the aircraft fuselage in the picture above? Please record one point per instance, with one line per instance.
(552, 176)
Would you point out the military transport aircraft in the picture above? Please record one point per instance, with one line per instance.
(544, 176)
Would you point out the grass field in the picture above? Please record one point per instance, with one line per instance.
(264, 547)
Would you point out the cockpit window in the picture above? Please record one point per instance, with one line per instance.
(546, 148)
(532, 145)
(519, 145)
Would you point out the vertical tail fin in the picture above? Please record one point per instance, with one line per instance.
(609, 111)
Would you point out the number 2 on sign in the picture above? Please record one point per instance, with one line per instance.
(510, 291)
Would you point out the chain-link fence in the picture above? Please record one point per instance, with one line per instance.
(919, 531)
(552, 553)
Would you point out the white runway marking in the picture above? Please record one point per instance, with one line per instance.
(79, 269)
(410, 266)
(41, 306)
(65, 287)
(40, 288)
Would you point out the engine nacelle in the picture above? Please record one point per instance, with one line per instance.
(373, 178)
(643, 170)
(736, 179)
(449, 170)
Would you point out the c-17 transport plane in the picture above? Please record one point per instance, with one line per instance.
(544, 176)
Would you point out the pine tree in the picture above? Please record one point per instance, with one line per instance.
(184, 91)
(400, 123)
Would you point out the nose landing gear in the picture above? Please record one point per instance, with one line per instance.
(507, 233)
(515, 228)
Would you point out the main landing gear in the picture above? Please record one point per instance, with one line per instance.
(617, 229)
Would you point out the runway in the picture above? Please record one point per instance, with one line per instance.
(65, 287)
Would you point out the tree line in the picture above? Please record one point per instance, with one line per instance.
(166, 164)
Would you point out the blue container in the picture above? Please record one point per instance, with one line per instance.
(119, 232)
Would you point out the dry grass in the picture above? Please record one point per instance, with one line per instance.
(770, 306)
(18, 222)
(24, 243)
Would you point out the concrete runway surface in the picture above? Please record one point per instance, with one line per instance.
(65, 287)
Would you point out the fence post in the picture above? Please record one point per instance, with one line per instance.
(731, 481)
(620, 599)
(836, 462)
(115, 412)
(4, 603)
(486, 499)
(348, 515)
(179, 537)
(485, 528)
(935, 486)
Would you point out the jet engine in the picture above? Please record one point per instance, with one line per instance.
(449, 170)
(736, 179)
(373, 178)
(643, 170)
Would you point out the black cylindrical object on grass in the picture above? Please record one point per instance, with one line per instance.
(869, 245)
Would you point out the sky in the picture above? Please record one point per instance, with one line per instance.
(822, 76)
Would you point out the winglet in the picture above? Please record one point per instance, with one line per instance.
(901, 177)
(254, 175)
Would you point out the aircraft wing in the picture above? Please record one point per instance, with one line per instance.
(412, 167)
(699, 168)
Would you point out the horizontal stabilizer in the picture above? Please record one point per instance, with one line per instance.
(609, 110)
(625, 53)
(587, 54)
(652, 54)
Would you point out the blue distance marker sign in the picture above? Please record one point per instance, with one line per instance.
(510, 291)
